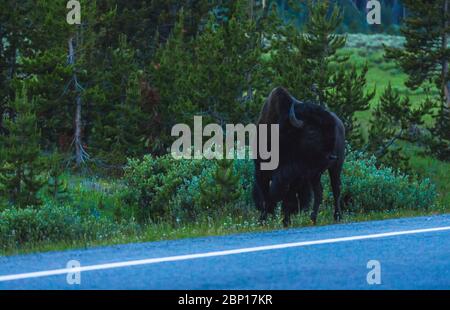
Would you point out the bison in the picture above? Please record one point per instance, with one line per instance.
(311, 141)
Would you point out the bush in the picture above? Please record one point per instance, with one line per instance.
(189, 189)
(183, 189)
(367, 187)
(51, 223)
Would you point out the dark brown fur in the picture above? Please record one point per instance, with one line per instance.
(305, 153)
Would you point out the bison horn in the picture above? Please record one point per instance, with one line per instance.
(293, 118)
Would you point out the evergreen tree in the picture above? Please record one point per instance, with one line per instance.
(319, 45)
(32, 30)
(346, 96)
(221, 189)
(169, 74)
(395, 120)
(425, 58)
(287, 59)
(56, 185)
(388, 125)
(21, 165)
(14, 32)
(228, 75)
(217, 74)
(50, 76)
(309, 65)
(117, 121)
(440, 142)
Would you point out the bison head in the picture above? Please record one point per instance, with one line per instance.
(310, 133)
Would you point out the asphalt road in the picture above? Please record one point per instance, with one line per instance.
(412, 253)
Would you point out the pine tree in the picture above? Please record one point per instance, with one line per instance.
(307, 62)
(49, 75)
(425, 58)
(388, 125)
(14, 30)
(116, 120)
(169, 75)
(37, 30)
(346, 96)
(56, 185)
(221, 189)
(319, 45)
(217, 74)
(288, 61)
(228, 74)
(440, 142)
(395, 120)
(21, 165)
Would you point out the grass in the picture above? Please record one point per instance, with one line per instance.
(382, 72)
(223, 225)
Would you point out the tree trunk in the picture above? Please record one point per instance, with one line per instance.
(80, 154)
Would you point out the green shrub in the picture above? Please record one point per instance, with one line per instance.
(154, 181)
(179, 190)
(367, 187)
(183, 189)
(92, 195)
(52, 223)
(224, 187)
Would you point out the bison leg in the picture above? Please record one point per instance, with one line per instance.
(280, 186)
(261, 195)
(304, 192)
(318, 197)
(290, 206)
(335, 178)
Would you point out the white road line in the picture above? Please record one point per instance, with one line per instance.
(150, 261)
